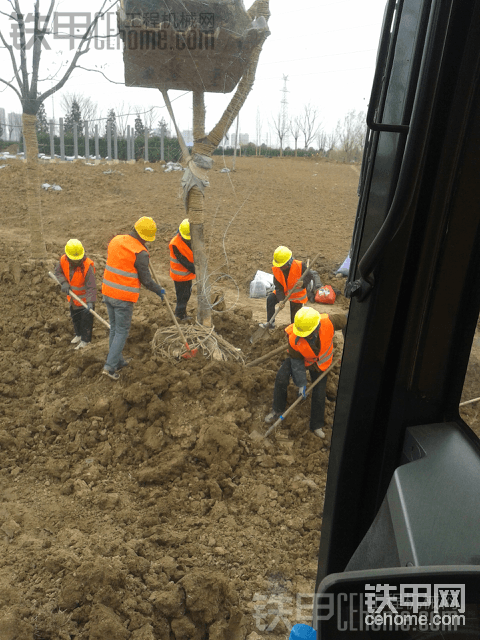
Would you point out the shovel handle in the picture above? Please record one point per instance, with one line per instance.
(154, 275)
(75, 297)
(300, 398)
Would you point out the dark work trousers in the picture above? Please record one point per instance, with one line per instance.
(272, 300)
(82, 322)
(183, 292)
(317, 411)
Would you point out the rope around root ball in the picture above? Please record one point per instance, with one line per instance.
(168, 344)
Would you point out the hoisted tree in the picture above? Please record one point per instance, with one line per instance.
(199, 46)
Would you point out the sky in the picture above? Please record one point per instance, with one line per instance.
(326, 49)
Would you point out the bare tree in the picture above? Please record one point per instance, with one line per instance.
(309, 124)
(88, 108)
(258, 132)
(322, 141)
(280, 125)
(150, 117)
(25, 84)
(295, 130)
(351, 135)
(331, 142)
(123, 113)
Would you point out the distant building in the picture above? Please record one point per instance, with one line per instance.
(243, 138)
(14, 127)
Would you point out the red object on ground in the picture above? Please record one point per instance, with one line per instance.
(325, 295)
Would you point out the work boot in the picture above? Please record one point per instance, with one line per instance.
(81, 345)
(186, 319)
(318, 432)
(76, 340)
(123, 364)
(273, 416)
(111, 374)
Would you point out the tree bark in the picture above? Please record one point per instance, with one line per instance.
(196, 218)
(34, 205)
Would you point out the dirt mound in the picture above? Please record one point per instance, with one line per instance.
(152, 508)
(147, 507)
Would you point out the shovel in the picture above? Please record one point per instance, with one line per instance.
(260, 332)
(191, 353)
(300, 398)
(75, 297)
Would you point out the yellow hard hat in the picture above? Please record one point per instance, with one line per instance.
(184, 229)
(146, 228)
(74, 249)
(281, 256)
(306, 320)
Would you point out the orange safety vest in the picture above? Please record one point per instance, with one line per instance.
(77, 283)
(325, 357)
(294, 274)
(177, 270)
(120, 278)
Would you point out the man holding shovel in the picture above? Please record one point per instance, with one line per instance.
(126, 269)
(287, 274)
(310, 348)
(182, 268)
(76, 272)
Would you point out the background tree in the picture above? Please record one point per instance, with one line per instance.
(295, 130)
(258, 132)
(74, 116)
(123, 112)
(139, 128)
(149, 118)
(351, 135)
(87, 108)
(280, 126)
(42, 122)
(112, 120)
(25, 83)
(330, 142)
(309, 124)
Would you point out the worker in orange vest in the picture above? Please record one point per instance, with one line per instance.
(287, 275)
(76, 273)
(126, 269)
(310, 348)
(182, 268)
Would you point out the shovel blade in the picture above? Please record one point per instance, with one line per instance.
(258, 335)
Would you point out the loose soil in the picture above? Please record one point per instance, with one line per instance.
(151, 508)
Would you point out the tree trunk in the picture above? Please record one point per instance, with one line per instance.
(196, 218)
(37, 243)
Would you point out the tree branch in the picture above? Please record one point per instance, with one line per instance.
(101, 72)
(12, 87)
(14, 62)
(23, 45)
(87, 38)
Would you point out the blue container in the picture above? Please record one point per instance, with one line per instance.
(302, 632)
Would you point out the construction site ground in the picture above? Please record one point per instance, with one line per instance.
(151, 508)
